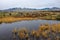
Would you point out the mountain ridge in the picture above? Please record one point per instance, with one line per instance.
(30, 9)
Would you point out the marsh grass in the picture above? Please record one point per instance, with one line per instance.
(44, 32)
(16, 16)
(13, 19)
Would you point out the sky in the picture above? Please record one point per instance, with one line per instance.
(6, 4)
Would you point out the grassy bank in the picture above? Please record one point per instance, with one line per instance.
(13, 19)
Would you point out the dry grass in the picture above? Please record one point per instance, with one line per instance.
(13, 19)
(45, 32)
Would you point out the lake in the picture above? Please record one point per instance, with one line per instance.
(6, 28)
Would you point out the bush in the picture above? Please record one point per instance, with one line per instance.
(58, 17)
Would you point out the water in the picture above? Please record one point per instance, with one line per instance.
(6, 28)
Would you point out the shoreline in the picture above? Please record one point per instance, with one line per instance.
(13, 19)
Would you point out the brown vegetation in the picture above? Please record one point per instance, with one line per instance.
(16, 16)
(13, 19)
(45, 32)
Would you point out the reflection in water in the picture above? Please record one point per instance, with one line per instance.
(6, 28)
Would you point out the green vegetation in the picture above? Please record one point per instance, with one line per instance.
(33, 14)
(58, 17)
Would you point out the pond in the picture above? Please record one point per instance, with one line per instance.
(6, 28)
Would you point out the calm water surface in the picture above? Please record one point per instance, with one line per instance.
(6, 28)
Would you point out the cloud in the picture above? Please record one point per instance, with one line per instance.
(5, 4)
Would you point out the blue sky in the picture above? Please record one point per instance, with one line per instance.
(5, 4)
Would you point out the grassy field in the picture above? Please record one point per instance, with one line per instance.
(16, 16)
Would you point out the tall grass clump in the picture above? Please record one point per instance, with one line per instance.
(44, 32)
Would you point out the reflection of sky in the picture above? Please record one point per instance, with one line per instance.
(29, 3)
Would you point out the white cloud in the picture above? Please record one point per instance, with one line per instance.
(28, 3)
